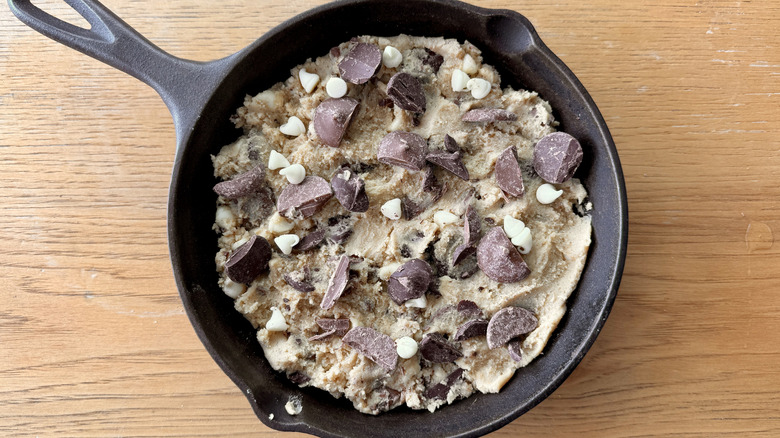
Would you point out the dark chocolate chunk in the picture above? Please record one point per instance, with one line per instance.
(469, 308)
(450, 145)
(499, 259)
(310, 240)
(389, 398)
(337, 284)
(451, 162)
(508, 174)
(332, 117)
(350, 190)
(471, 329)
(323, 335)
(305, 198)
(386, 102)
(410, 209)
(241, 185)
(404, 149)
(249, 260)
(339, 229)
(297, 280)
(376, 346)
(509, 323)
(430, 183)
(298, 377)
(440, 390)
(472, 226)
(339, 325)
(409, 281)
(515, 348)
(406, 92)
(433, 59)
(489, 115)
(461, 253)
(361, 63)
(434, 348)
(557, 156)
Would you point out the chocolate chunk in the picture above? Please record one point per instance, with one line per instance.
(451, 162)
(305, 198)
(361, 63)
(499, 259)
(508, 174)
(450, 145)
(310, 240)
(406, 92)
(461, 253)
(297, 280)
(471, 329)
(249, 260)
(434, 348)
(430, 183)
(557, 156)
(404, 149)
(440, 390)
(515, 348)
(509, 323)
(374, 345)
(298, 378)
(339, 325)
(489, 115)
(339, 229)
(350, 190)
(323, 335)
(410, 209)
(337, 284)
(409, 281)
(241, 185)
(332, 117)
(469, 308)
(433, 59)
(472, 226)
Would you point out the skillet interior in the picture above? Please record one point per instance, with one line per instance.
(510, 44)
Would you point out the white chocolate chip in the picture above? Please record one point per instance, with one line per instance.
(392, 209)
(225, 217)
(294, 127)
(406, 347)
(391, 57)
(459, 80)
(277, 161)
(512, 226)
(278, 225)
(443, 218)
(546, 194)
(479, 87)
(285, 242)
(419, 303)
(294, 405)
(336, 87)
(308, 80)
(295, 173)
(387, 270)
(469, 65)
(270, 416)
(277, 322)
(523, 241)
(233, 289)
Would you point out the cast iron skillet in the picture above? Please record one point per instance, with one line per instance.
(201, 98)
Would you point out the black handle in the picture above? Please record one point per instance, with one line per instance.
(183, 85)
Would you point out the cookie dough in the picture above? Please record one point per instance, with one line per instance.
(412, 262)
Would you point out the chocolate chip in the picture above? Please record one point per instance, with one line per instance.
(386, 102)
(337, 284)
(298, 378)
(310, 240)
(451, 162)
(509, 323)
(361, 63)
(433, 59)
(409, 281)
(249, 260)
(450, 144)
(410, 209)
(339, 229)
(489, 115)
(350, 190)
(406, 92)
(376, 346)
(509, 177)
(404, 149)
(430, 183)
(305, 198)
(339, 325)
(461, 253)
(434, 348)
(241, 185)
(440, 390)
(472, 226)
(332, 117)
(297, 280)
(468, 308)
(335, 52)
(515, 348)
(557, 156)
(471, 329)
(499, 259)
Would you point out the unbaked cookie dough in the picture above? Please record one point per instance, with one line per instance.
(397, 227)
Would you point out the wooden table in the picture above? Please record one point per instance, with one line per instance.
(93, 337)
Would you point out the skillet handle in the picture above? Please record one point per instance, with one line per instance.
(183, 85)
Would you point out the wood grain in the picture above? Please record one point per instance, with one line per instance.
(93, 337)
